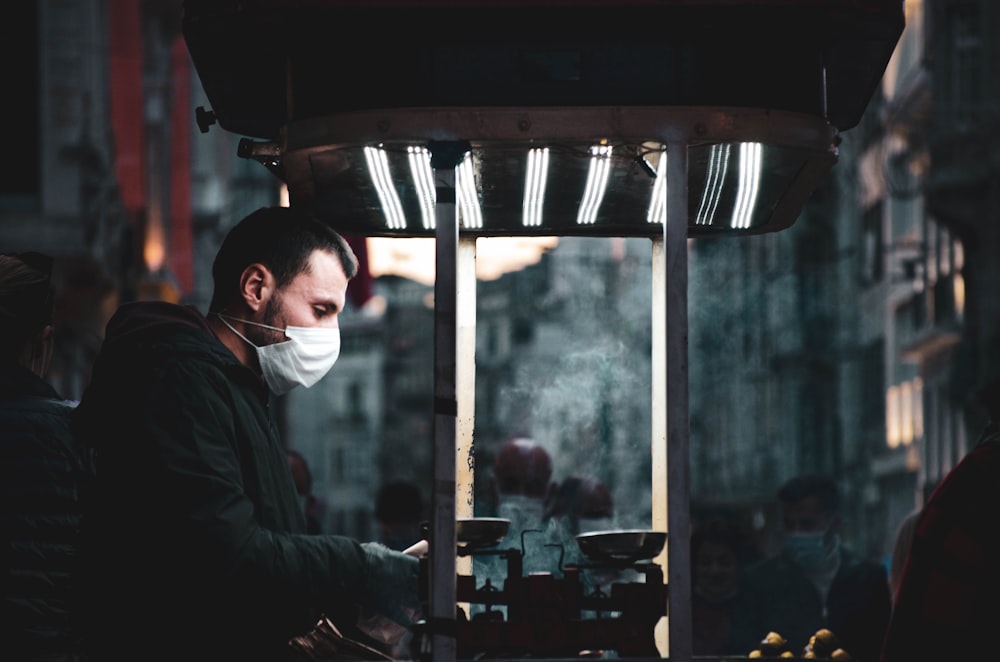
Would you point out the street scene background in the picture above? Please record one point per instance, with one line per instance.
(853, 343)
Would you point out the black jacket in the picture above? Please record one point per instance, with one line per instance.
(195, 543)
(42, 473)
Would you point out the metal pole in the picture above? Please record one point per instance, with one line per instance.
(658, 450)
(445, 157)
(465, 458)
(678, 452)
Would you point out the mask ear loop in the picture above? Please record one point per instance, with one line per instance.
(230, 327)
(263, 326)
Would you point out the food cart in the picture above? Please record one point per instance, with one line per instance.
(455, 120)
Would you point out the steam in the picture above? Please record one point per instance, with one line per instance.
(583, 389)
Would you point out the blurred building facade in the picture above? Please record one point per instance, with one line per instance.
(109, 178)
(862, 333)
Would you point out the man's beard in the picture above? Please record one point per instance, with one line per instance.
(273, 316)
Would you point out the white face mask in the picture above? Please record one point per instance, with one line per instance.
(810, 550)
(302, 360)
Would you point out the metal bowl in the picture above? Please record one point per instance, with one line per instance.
(621, 546)
(474, 532)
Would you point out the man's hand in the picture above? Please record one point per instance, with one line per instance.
(392, 586)
(417, 549)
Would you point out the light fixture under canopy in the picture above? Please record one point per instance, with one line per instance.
(530, 172)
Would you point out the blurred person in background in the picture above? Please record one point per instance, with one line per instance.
(520, 489)
(581, 504)
(903, 540)
(43, 471)
(946, 604)
(521, 484)
(584, 504)
(399, 510)
(194, 544)
(716, 562)
(815, 582)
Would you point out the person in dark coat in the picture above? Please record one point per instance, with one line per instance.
(946, 605)
(717, 553)
(42, 473)
(195, 546)
(814, 583)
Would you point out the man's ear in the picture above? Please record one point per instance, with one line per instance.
(38, 351)
(256, 286)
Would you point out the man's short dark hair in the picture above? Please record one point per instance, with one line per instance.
(717, 530)
(280, 238)
(822, 487)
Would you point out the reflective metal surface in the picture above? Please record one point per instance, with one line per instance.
(749, 171)
(626, 546)
(473, 532)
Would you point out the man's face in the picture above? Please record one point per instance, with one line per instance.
(805, 516)
(716, 569)
(314, 298)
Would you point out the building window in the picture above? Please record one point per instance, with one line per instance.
(871, 245)
(355, 402)
(338, 465)
(966, 75)
(958, 282)
(904, 413)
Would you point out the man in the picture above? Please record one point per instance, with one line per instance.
(716, 552)
(196, 547)
(946, 603)
(814, 583)
(521, 489)
(42, 473)
(580, 504)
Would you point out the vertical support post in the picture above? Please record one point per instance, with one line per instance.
(658, 446)
(678, 451)
(465, 465)
(445, 157)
